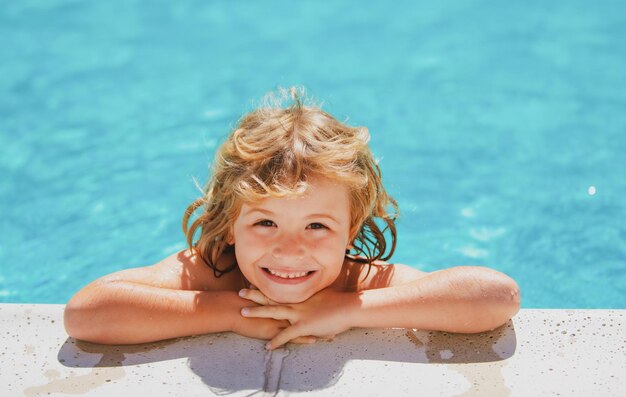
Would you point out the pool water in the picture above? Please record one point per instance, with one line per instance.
(500, 127)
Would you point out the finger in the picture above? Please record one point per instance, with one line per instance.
(256, 296)
(276, 312)
(284, 336)
(304, 340)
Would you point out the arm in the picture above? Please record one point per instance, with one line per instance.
(177, 297)
(460, 299)
(124, 312)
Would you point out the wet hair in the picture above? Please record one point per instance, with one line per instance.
(271, 152)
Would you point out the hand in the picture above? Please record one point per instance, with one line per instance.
(323, 315)
(264, 328)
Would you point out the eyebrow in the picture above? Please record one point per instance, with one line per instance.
(261, 210)
(268, 212)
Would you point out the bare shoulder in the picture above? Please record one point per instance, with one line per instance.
(181, 270)
(358, 276)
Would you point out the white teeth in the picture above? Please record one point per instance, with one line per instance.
(287, 275)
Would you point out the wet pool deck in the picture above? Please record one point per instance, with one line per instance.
(538, 353)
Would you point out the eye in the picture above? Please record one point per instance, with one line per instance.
(316, 225)
(265, 223)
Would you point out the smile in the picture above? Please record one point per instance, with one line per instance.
(287, 277)
(286, 274)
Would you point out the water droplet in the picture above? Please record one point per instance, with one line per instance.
(591, 190)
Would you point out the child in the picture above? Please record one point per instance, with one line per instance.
(289, 248)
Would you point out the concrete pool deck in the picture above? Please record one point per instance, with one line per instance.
(538, 353)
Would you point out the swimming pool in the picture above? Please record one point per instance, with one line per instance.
(500, 128)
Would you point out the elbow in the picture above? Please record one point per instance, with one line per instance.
(487, 317)
(507, 296)
(499, 301)
(83, 319)
(78, 322)
(82, 324)
(72, 320)
(492, 315)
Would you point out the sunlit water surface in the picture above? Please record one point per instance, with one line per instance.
(500, 127)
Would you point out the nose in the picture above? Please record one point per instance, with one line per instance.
(288, 247)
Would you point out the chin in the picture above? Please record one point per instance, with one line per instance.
(287, 298)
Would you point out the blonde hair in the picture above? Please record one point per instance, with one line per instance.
(271, 152)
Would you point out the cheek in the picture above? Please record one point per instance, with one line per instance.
(331, 252)
(247, 240)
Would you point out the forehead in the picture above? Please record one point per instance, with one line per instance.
(322, 195)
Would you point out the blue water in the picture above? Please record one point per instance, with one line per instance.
(492, 121)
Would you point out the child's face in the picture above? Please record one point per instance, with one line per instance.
(291, 248)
